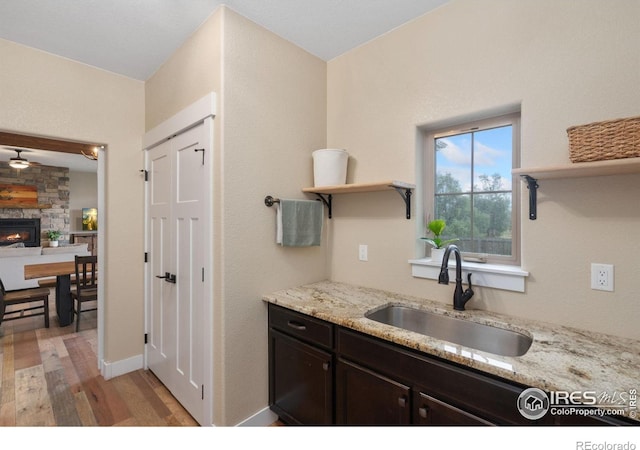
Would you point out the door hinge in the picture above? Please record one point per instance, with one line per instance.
(146, 338)
(146, 256)
(146, 174)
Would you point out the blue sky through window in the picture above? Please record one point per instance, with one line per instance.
(490, 150)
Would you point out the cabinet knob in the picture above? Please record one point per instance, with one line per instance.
(424, 412)
(402, 401)
(326, 366)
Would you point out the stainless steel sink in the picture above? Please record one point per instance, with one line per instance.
(463, 332)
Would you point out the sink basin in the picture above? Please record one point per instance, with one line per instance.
(463, 332)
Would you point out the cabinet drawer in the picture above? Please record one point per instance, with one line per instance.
(304, 327)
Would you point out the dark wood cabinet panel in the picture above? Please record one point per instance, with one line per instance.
(301, 381)
(431, 411)
(364, 397)
(479, 394)
(301, 326)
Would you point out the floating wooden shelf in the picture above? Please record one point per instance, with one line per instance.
(404, 189)
(583, 169)
(575, 170)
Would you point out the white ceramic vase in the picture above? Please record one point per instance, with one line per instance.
(437, 254)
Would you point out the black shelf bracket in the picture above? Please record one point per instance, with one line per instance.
(328, 201)
(532, 184)
(406, 196)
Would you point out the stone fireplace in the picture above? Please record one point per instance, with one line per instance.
(52, 209)
(14, 231)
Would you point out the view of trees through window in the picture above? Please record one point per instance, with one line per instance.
(473, 191)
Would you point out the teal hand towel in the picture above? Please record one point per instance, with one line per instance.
(299, 223)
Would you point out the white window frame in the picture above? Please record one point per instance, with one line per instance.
(498, 272)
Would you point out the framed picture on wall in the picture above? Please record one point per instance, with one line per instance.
(89, 219)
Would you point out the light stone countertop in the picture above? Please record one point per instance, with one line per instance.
(560, 358)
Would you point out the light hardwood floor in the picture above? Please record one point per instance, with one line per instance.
(49, 377)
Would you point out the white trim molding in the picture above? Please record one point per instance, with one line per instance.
(510, 278)
(263, 418)
(114, 369)
(183, 120)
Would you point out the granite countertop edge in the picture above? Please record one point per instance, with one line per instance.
(559, 359)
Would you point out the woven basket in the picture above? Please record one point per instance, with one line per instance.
(611, 139)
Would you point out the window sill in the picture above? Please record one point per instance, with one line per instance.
(510, 278)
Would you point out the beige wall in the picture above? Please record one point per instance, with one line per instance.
(271, 115)
(83, 193)
(568, 63)
(54, 97)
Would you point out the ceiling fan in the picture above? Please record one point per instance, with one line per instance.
(18, 162)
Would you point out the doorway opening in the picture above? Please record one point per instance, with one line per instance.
(79, 158)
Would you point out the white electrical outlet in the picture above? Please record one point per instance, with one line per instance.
(363, 251)
(602, 277)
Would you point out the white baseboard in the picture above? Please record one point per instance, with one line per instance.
(262, 418)
(117, 368)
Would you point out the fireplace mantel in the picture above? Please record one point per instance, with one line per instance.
(28, 207)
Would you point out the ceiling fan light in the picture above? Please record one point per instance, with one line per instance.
(19, 163)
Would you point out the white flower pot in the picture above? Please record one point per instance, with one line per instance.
(437, 254)
(53, 243)
(330, 166)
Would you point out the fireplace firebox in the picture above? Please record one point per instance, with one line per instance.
(14, 231)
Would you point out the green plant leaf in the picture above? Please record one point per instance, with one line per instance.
(430, 241)
(437, 226)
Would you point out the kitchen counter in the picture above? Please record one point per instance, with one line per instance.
(560, 358)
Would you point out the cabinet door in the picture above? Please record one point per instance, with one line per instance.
(431, 411)
(300, 381)
(364, 397)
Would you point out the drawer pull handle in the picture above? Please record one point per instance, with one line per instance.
(325, 366)
(424, 412)
(297, 325)
(402, 402)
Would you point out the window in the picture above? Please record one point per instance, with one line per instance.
(468, 183)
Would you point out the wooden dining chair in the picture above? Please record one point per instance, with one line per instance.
(32, 302)
(86, 285)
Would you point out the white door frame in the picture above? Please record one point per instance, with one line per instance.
(203, 110)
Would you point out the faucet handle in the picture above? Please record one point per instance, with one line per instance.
(468, 293)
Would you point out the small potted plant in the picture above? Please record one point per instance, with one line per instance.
(53, 236)
(436, 227)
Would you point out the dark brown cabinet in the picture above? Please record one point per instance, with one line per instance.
(300, 368)
(431, 411)
(364, 397)
(321, 373)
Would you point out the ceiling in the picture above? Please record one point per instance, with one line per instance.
(134, 38)
(75, 163)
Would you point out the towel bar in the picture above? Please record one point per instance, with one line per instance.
(269, 201)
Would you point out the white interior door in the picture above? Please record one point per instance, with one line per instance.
(178, 222)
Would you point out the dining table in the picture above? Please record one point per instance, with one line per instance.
(62, 271)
